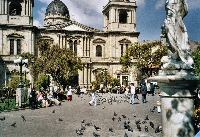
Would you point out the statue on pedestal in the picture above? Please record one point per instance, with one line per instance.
(174, 30)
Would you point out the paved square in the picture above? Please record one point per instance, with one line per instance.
(70, 115)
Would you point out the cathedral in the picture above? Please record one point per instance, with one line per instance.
(98, 49)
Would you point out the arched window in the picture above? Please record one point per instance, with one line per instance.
(98, 51)
(122, 16)
(15, 8)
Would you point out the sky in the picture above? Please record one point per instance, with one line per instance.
(150, 15)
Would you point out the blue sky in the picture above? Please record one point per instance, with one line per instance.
(150, 15)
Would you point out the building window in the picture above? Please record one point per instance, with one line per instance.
(122, 16)
(71, 45)
(75, 47)
(11, 46)
(18, 46)
(98, 51)
(122, 49)
(15, 8)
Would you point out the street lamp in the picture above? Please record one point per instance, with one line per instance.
(25, 71)
(20, 62)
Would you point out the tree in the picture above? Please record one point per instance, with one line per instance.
(196, 55)
(103, 77)
(42, 81)
(59, 63)
(145, 56)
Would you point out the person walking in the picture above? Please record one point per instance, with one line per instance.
(93, 97)
(152, 89)
(132, 93)
(143, 91)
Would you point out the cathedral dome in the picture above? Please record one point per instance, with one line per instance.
(57, 7)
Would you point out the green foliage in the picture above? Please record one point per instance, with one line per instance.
(14, 82)
(60, 63)
(42, 81)
(115, 82)
(103, 77)
(145, 56)
(196, 55)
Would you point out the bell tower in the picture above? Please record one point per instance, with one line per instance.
(16, 12)
(120, 15)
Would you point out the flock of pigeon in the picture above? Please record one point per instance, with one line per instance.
(128, 124)
(116, 117)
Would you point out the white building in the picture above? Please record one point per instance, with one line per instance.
(97, 48)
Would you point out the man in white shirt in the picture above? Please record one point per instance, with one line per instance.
(132, 93)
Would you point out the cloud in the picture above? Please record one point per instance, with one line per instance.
(37, 23)
(193, 4)
(140, 3)
(160, 4)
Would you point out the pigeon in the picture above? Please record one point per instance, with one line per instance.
(137, 122)
(13, 125)
(134, 115)
(83, 121)
(143, 122)
(79, 132)
(151, 110)
(125, 125)
(115, 114)
(119, 119)
(95, 135)
(158, 129)
(113, 118)
(110, 129)
(130, 129)
(2, 118)
(139, 127)
(22, 116)
(146, 128)
(146, 118)
(97, 128)
(88, 124)
(82, 127)
(103, 107)
(53, 111)
(60, 119)
(125, 135)
(124, 116)
(151, 124)
(128, 121)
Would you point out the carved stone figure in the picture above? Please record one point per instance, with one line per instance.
(174, 30)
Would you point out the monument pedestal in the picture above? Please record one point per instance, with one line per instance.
(177, 102)
(20, 96)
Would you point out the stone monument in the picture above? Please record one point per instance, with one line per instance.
(176, 79)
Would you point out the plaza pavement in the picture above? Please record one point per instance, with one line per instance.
(43, 123)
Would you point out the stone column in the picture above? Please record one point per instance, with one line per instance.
(6, 7)
(177, 102)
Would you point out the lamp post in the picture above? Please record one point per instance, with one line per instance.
(20, 93)
(20, 62)
(25, 71)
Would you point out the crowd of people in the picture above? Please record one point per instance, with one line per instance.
(44, 98)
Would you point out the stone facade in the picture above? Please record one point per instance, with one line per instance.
(98, 49)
